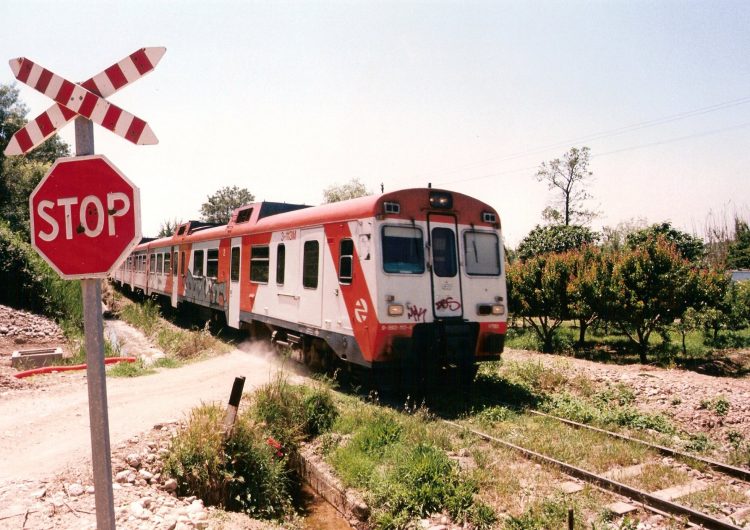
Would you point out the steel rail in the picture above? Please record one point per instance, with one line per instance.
(733, 471)
(643, 497)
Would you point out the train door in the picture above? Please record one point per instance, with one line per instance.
(447, 301)
(174, 293)
(233, 316)
(311, 288)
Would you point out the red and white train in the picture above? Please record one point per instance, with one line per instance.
(412, 279)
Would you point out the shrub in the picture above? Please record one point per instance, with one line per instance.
(293, 412)
(29, 283)
(241, 473)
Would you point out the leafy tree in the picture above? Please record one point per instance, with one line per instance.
(555, 238)
(19, 175)
(29, 283)
(538, 290)
(167, 228)
(690, 247)
(568, 177)
(614, 237)
(342, 192)
(591, 272)
(219, 206)
(738, 256)
(651, 285)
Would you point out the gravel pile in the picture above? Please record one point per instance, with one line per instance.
(21, 327)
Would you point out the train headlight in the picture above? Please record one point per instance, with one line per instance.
(441, 200)
(490, 309)
(395, 310)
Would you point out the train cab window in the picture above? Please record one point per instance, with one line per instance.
(310, 264)
(403, 250)
(259, 259)
(280, 263)
(174, 263)
(182, 263)
(159, 264)
(167, 262)
(152, 263)
(444, 261)
(198, 263)
(482, 253)
(346, 256)
(212, 263)
(234, 270)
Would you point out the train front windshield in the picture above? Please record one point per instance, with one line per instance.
(403, 250)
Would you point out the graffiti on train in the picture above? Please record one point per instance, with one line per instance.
(205, 290)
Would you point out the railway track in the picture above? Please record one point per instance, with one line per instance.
(650, 501)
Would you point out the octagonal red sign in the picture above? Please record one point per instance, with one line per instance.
(85, 217)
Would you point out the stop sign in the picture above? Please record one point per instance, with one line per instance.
(85, 217)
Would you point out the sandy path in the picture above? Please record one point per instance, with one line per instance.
(44, 434)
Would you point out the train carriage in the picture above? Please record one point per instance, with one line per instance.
(412, 279)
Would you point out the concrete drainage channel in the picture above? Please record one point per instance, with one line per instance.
(316, 474)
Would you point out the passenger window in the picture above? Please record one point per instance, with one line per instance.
(174, 263)
(280, 263)
(403, 250)
(167, 263)
(444, 261)
(198, 263)
(482, 252)
(259, 264)
(310, 265)
(152, 263)
(346, 257)
(234, 273)
(212, 263)
(182, 263)
(159, 265)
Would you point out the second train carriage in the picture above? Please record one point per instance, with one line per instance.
(412, 279)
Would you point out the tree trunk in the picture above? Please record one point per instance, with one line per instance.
(582, 327)
(642, 346)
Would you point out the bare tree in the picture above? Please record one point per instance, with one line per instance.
(568, 176)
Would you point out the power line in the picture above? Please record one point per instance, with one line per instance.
(624, 149)
(599, 135)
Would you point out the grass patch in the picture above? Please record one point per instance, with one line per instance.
(401, 463)
(125, 369)
(656, 476)
(174, 341)
(293, 413)
(241, 473)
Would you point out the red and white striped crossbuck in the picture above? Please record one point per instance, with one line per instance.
(85, 99)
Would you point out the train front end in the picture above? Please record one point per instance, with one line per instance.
(439, 284)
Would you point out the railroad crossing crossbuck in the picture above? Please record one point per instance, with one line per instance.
(86, 99)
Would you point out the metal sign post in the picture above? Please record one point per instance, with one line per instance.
(93, 326)
(76, 193)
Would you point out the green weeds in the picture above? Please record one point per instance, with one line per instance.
(239, 473)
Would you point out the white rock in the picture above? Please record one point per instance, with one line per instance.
(170, 485)
(133, 460)
(146, 475)
(38, 494)
(75, 490)
(122, 476)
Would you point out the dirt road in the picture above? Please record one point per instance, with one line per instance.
(42, 434)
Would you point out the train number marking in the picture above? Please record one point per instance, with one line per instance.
(288, 235)
(360, 310)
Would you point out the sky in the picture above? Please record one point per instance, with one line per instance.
(288, 98)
